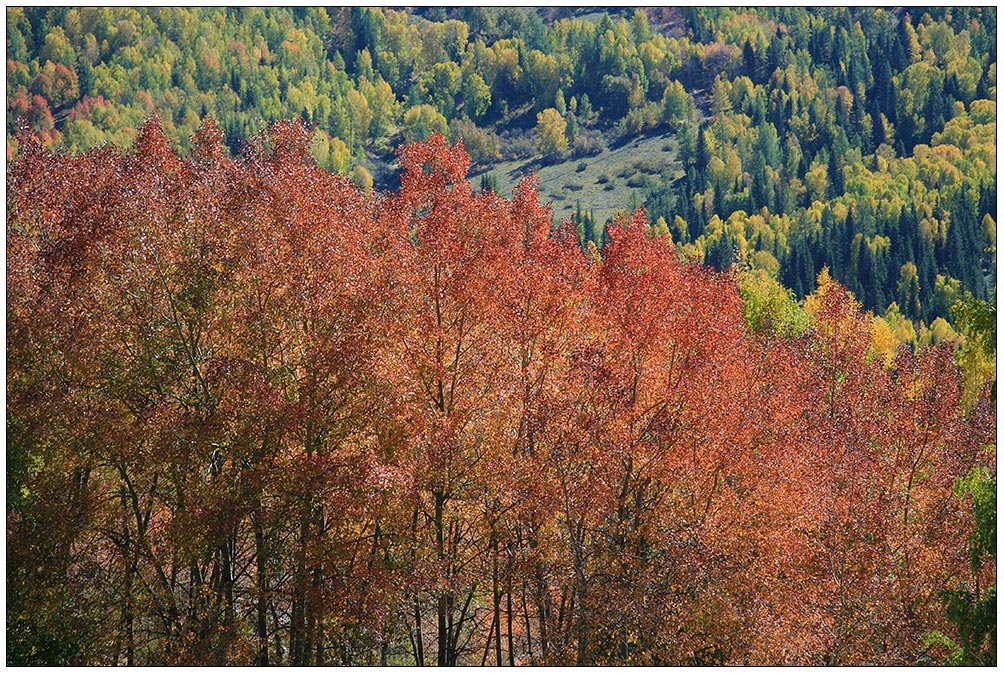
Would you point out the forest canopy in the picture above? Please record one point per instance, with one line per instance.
(257, 415)
(862, 140)
(305, 365)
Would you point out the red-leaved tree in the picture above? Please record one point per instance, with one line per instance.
(258, 416)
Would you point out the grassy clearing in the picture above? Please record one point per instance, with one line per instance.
(609, 182)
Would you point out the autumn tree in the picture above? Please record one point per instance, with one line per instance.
(550, 132)
(258, 415)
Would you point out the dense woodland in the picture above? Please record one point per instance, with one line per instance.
(296, 392)
(862, 140)
(258, 415)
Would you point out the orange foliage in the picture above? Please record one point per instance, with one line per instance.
(298, 423)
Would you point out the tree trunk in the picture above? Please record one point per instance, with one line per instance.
(128, 617)
(526, 624)
(496, 602)
(443, 605)
(262, 598)
(419, 646)
(543, 614)
(316, 624)
(508, 612)
(580, 628)
(226, 579)
(297, 623)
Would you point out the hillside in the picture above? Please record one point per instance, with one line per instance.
(861, 140)
(605, 184)
(301, 371)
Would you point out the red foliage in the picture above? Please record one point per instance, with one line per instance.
(294, 422)
(85, 108)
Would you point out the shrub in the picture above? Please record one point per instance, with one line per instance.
(481, 144)
(589, 143)
(516, 144)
